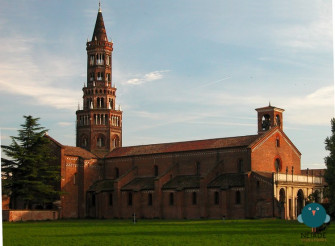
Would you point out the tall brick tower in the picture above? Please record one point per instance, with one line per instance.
(99, 123)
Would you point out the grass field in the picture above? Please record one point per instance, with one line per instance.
(159, 232)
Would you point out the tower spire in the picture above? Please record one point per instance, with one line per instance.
(99, 33)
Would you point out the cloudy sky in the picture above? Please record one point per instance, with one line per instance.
(184, 69)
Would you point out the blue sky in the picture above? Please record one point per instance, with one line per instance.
(184, 69)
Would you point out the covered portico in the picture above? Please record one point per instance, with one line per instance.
(292, 191)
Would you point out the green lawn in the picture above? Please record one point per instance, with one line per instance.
(160, 232)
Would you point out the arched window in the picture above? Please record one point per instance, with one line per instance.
(266, 122)
(116, 141)
(282, 197)
(278, 165)
(240, 165)
(87, 103)
(130, 199)
(98, 102)
(102, 103)
(171, 199)
(216, 198)
(117, 173)
(156, 170)
(238, 197)
(91, 60)
(278, 122)
(197, 168)
(93, 199)
(110, 199)
(194, 198)
(150, 199)
(277, 142)
(84, 141)
(300, 201)
(101, 141)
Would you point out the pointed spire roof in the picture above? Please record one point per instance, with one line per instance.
(99, 29)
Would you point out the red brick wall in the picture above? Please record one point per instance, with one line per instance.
(78, 175)
(5, 202)
(254, 200)
(91, 172)
(235, 211)
(260, 197)
(216, 211)
(263, 155)
(26, 215)
(70, 187)
(211, 163)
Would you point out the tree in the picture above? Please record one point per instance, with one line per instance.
(330, 171)
(29, 173)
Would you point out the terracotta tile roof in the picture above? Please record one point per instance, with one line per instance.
(268, 107)
(138, 184)
(183, 146)
(182, 182)
(227, 180)
(73, 151)
(102, 185)
(53, 140)
(77, 151)
(264, 174)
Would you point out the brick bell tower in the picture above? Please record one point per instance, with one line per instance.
(269, 117)
(99, 123)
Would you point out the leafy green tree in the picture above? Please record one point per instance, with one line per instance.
(313, 197)
(330, 171)
(29, 172)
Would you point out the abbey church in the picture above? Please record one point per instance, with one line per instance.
(254, 176)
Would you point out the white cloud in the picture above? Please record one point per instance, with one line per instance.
(315, 32)
(8, 128)
(65, 123)
(21, 73)
(155, 75)
(317, 35)
(3, 137)
(316, 108)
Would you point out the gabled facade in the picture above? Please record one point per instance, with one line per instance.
(252, 176)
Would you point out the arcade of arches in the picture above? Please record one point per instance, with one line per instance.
(292, 196)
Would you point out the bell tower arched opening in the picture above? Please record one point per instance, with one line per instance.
(268, 118)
